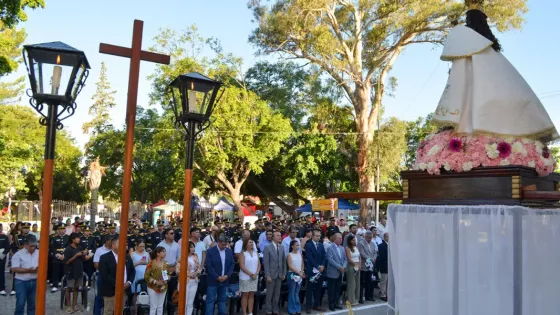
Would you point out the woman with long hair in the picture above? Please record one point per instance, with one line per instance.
(156, 277)
(296, 275)
(193, 271)
(353, 271)
(250, 267)
(141, 259)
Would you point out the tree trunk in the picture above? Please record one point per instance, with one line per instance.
(236, 197)
(364, 126)
(93, 208)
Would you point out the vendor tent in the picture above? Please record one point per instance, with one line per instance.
(224, 205)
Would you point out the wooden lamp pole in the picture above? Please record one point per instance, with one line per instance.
(54, 101)
(192, 117)
(136, 54)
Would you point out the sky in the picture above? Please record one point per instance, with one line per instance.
(421, 75)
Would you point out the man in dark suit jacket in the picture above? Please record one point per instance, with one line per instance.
(108, 272)
(382, 265)
(219, 266)
(315, 259)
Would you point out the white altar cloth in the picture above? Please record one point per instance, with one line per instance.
(473, 260)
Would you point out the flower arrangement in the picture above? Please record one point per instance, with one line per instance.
(454, 152)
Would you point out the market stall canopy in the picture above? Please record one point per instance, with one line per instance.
(224, 205)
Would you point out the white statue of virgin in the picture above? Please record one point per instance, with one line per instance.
(484, 92)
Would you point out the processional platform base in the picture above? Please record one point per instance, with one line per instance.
(501, 185)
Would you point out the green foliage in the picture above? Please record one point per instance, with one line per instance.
(22, 144)
(12, 11)
(103, 101)
(356, 42)
(10, 92)
(156, 170)
(245, 132)
(416, 131)
(11, 40)
(287, 88)
(391, 139)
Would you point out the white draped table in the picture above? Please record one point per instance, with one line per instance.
(473, 260)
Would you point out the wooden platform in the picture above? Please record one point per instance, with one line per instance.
(506, 185)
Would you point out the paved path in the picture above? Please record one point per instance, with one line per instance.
(8, 304)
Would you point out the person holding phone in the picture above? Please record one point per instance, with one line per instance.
(24, 265)
(74, 256)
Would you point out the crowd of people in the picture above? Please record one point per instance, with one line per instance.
(272, 257)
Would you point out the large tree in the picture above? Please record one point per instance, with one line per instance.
(103, 101)
(155, 170)
(22, 144)
(357, 42)
(245, 133)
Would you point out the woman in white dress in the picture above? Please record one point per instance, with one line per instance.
(484, 92)
(250, 267)
(193, 271)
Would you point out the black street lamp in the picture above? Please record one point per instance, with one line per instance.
(193, 98)
(57, 73)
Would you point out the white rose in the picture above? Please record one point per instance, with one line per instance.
(504, 162)
(519, 148)
(492, 150)
(434, 150)
(538, 147)
(509, 140)
(547, 162)
(431, 165)
(422, 166)
(467, 166)
(446, 166)
(531, 164)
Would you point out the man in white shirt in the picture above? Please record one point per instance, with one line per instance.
(98, 304)
(171, 248)
(376, 237)
(25, 263)
(171, 258)
(381, 229)
(263, 240)
(238, 248)
(210, 239)
(199, 246)
(287, 240)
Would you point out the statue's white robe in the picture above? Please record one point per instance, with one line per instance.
(486, 94)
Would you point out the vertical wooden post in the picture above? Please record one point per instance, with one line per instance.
(132, 99)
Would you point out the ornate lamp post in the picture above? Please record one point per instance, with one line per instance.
(57, 74)
(193, 97)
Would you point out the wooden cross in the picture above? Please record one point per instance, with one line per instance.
(136, 54)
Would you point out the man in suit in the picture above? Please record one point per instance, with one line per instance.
(108, 272)
(275, 269)
(219, 266)
(337, 263)
(315, 260)
(382, 265)
(368, 254)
